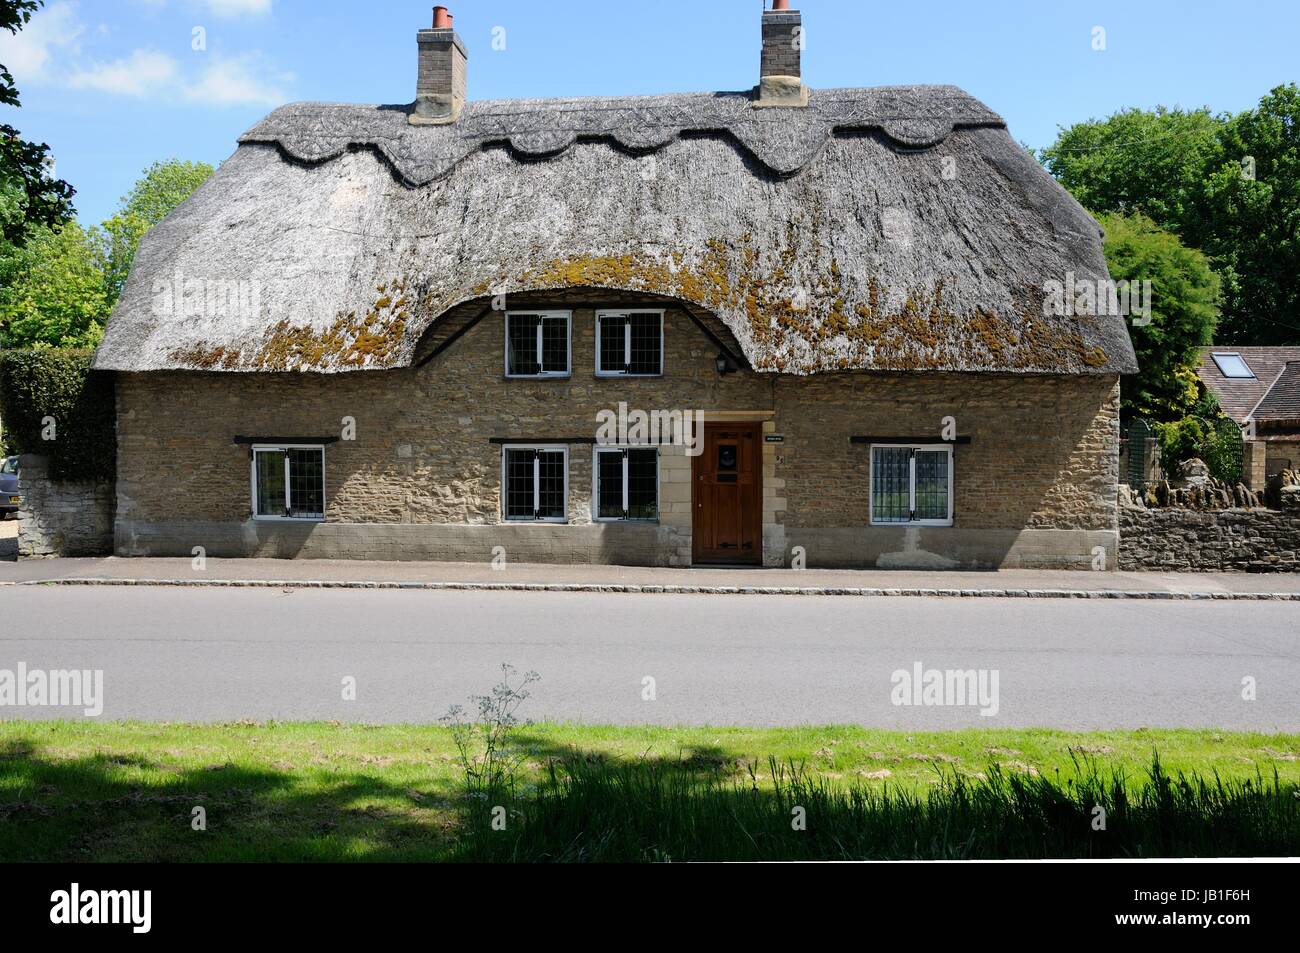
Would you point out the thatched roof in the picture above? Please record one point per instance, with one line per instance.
(887, 229)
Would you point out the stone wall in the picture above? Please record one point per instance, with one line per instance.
(1180, 539)
(1034, 486)
(62, 519)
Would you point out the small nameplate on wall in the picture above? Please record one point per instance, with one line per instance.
(773, 438)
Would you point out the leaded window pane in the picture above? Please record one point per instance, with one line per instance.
(519, 484)
(609, 484)
(555, 345)
(647, 344)
(307, 483)
(890, 478)
(643, 484)
(550, 485)
(932, 484)
(611, 343)
(269, 466)
(521, 344)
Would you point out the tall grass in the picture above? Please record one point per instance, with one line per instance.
(597, 810)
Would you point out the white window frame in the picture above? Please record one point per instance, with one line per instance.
(283, 448)
(537, 490)
(595, 482)
(627, 339)
(911, 483)
(568, 327)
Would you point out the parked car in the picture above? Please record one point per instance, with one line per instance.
(9, 498)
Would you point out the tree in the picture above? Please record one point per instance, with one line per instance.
(1253, 203)
(52, 291)
(1141, 161)
(1227, 185)
(1185, 295)
(58, 289)
(29, 195)
(116, 242)
(163, 187)
(1206, 432)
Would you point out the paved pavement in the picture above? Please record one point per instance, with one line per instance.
(340, 572)
(8, 540)
(219, 654)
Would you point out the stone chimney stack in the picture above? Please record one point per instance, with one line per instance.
(440, 87)
(780, 72)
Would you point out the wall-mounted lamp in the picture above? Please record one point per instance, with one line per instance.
(723, 364)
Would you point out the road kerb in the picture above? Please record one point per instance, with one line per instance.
(673, 589)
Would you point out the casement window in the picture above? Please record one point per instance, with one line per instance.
(911, 485)
(626, 483)
(289, 482)
(629, 343)
(538, 344)
(535, 484)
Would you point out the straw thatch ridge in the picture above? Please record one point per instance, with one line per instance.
(785, 141)
(879, 229)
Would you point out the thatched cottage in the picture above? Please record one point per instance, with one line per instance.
(824, 316)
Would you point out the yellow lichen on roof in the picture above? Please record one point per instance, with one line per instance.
(374, 340)
(834, 322)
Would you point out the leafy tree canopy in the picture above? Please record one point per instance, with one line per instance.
(1227, 185)
(163, 187)
(52, 291)
(1253, 216)
(58, 289)
(14, 15)
(1184, 301)
(1139, 161)
(29, 195)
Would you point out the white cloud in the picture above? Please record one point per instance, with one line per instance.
(141, 73)
(54, 30)
(239, 8)
(243, 80)
(49, 50)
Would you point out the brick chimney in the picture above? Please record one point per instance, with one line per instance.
(780, 72)
(440, 88)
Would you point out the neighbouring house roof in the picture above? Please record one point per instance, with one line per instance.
(890, 229)
(1271, 391)
(1282, 402)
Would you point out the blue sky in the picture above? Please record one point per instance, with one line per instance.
(113, 85)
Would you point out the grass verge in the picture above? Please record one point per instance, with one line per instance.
(287, 792)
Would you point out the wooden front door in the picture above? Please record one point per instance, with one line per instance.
(728, 495)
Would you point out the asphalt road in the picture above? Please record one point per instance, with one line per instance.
(227, 654)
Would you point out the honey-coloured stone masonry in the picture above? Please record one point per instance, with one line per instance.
(1034, 485)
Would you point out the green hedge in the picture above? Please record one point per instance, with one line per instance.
(58, 383)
